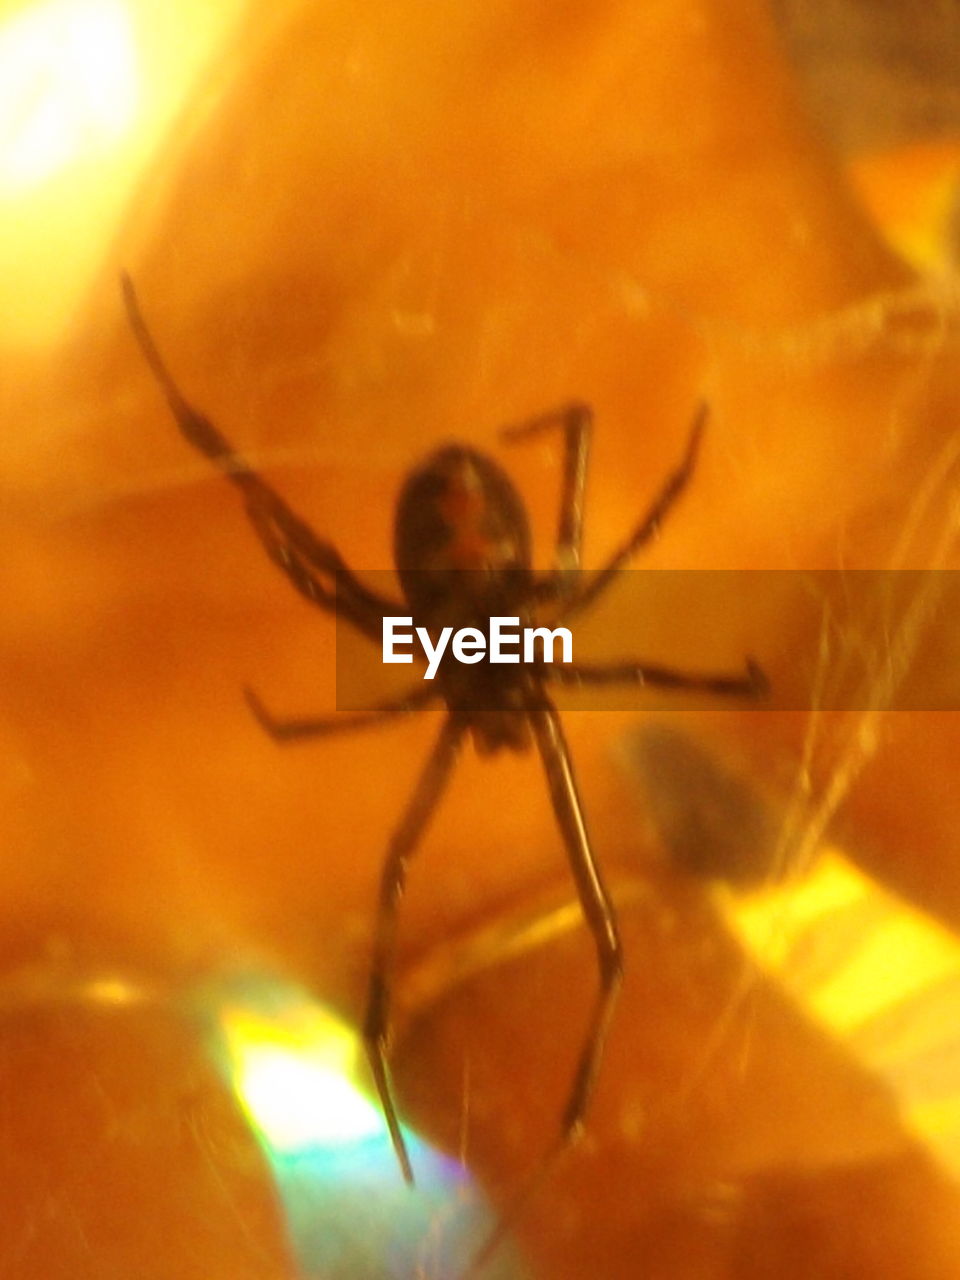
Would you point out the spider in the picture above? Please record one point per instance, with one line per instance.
(462, 548)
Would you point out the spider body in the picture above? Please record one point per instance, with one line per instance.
(463, 554)
(462, 551)
(461, 531)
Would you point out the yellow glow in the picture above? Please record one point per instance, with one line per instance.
(68, 86)
(292, 1075)
(876, 972)
(912, 193)
(115, 991)
(89, 93)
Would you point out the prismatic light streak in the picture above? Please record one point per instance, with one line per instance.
(878, 973)
(293, 1078)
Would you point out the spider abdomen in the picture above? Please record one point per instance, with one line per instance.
(461, 536)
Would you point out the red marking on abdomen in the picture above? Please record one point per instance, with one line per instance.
(464, 509)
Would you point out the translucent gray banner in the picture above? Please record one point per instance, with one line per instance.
(766, 640)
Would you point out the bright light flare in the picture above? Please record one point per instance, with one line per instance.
(293, 1077)
(875, 971)
(68, 86)
(291, 1065)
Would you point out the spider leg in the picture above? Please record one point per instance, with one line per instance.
(403, 842)
(366, 617)
(576, 419)
(649, 525)
(597, 909)
(324, 726)
(753, 684)
(264, 505)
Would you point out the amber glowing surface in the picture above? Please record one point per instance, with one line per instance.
(357, 230)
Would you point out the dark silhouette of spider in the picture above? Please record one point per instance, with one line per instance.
(463, 554)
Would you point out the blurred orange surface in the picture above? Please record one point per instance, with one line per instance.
(375, 228)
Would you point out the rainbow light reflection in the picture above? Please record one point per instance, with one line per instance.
(349, 1214)
(293, 1080)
